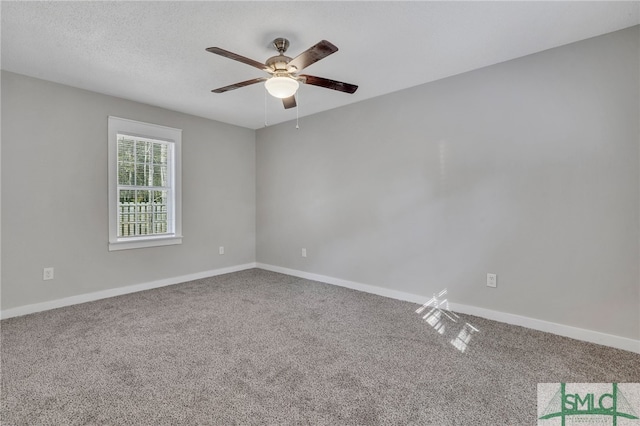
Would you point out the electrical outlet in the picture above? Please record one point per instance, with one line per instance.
(221, 250)
(47, 274)
(304, 252)
(492, 280)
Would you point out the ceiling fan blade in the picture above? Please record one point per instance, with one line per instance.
(329, 84)
(236, 57)
(238, 85)
(313, 55)
(289, 102)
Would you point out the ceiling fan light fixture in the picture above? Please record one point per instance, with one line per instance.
(281, 87)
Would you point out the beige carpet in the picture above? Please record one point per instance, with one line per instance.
(257, 347)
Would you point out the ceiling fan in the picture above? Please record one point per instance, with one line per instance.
(284, 80)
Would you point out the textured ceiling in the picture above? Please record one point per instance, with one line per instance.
(154, 52)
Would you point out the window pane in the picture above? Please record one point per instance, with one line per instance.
(143, 151)
(160, 153)
(142, 175)
(127, 196)
(159, 197)
(142, 197)
(159, 175)
(126, 204)
(125, 149)
(126, 173)
(160, 227)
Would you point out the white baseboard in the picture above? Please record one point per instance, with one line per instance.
(535, 324)
(104, 294)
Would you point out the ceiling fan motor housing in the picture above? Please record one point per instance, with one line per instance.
(279, 63)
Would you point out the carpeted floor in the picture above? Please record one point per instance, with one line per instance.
(257, 347)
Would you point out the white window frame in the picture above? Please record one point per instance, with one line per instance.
(148, 131)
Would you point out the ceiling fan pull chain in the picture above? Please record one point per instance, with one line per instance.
(298, 110)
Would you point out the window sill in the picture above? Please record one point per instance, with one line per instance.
(129, 243)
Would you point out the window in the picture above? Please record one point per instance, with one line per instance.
(144, 185)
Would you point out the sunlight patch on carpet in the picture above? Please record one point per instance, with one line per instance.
(441, 318)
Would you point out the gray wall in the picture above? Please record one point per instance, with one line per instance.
(528, 169)
(54, 194)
